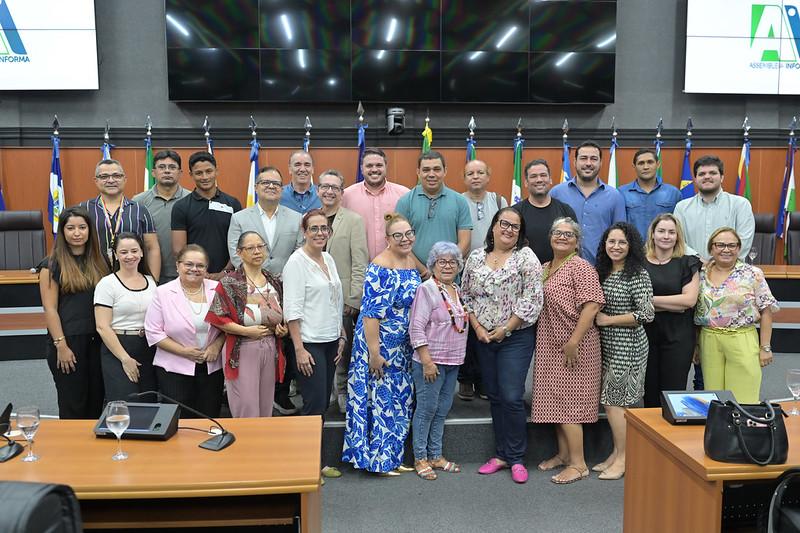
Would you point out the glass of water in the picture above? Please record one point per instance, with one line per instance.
(793, 383)
(117, 419)
(28, 423)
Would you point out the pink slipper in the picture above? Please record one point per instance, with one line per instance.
(492, 465)
(519, 473)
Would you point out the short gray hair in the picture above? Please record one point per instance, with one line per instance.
(107, 162)
(444, 248)
(576, 229)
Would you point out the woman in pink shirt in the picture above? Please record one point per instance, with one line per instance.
(438, 331)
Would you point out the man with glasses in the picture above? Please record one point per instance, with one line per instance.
(113, 214)
(347, 244)
(436, 212)
(159, 201)
(712, 208)
(596, 204)
(203, 216)
(300, 194)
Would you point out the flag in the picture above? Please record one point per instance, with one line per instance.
(687, 185)
(787, 204)
(427, 138)
(306, 143)
(659, 169)
(566, 173)
(106, 149)
(743, 178)
(612, 162)
(2, 200)
(362, 144)
(471, 152)
(209, 144)
(252, 197)
(55, 204)
(149, 181)
(516, 186)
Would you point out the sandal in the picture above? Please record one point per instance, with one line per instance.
(424, 470)
(581, 475)
(444, 465)
(544, 467)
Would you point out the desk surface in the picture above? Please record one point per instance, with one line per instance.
(685, 443)
(270, 456)
(14, 277)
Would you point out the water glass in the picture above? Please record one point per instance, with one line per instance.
(117, 420)
(793, 383)
(28, 422)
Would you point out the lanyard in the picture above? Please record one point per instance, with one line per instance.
(111, 232)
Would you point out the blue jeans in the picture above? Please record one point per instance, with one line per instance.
(433, 403)
(504, 367)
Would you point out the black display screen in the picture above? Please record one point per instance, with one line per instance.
(514, 51)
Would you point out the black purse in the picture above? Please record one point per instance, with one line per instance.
(753, 433)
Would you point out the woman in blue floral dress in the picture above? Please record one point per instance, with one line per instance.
(379, 384)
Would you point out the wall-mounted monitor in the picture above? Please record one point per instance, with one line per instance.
(47, 45)
(512, 51)
(743, 47)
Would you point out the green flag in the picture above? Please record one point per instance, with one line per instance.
(148, 163)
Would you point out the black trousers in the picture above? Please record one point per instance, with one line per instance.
(80, 393)
(671, 337)
(202, 392)
(282, 389)
(116, 382)
(316, 388)
(470, 371)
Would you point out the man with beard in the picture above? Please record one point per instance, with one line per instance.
(647, 196)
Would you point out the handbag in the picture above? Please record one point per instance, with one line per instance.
(750, 433)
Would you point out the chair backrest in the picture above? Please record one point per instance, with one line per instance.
(764, 238)
(22, 244)
(793, 238)
(783, 518)
(38, 507)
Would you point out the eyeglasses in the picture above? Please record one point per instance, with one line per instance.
(432, 207)
(505, 224)
(329, 187)
(318, 229)
(109, 177)
(481, 210)
(254, 248)
(566, 234)
(167, 167)
(725, 245)
(399, 236)
(193, 266)
(453, 263)
(270, 184)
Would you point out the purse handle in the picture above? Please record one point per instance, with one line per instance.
(768, 421)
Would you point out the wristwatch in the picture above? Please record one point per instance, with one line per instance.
(507, 331)
(767, 348)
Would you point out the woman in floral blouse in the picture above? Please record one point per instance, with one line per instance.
(734, 297)
(502, 286)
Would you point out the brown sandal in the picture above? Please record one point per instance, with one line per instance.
(424, 470)
(440, 463)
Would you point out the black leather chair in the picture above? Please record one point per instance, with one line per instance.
(784, 513)
(793, 238)
(38, 508)
(22, 244)
(764, 238)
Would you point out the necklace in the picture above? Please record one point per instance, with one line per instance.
(255, 288)
(548, 271)
(447, 306)
(496, 257)
(662, 261)
(187, 293)
(198, 304)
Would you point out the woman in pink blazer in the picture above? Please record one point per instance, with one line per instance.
(187, 362)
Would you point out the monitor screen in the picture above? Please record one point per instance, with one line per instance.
(142, 417)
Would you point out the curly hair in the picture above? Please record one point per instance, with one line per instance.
(634, 262)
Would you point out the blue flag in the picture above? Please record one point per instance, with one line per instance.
(471, 153)
(362, 144)
(106, 149)
(55, 203)
(566, 173)
(687, 185)
(2, 200)
(787, 204)
(252, 195)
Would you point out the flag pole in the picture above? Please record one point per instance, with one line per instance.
(565, 173)
(687, 185)
(743, 177)
(252, 196)
(361, 141)
(106, 148)
(516, 184)
(207, 136)
(471, 154)
(307, 138)
(612, 160)
(658, 142)
(148, 154)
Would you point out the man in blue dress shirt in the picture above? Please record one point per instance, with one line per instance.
(647, 196)
(596, 204)
(300, 194)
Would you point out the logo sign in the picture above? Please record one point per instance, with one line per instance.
(12, 48)
(775, 32)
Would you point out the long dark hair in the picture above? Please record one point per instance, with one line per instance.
(634, 262)
(144, 270)
(74, 277)
(522, 239)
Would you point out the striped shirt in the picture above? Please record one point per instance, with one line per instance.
(135, 219)
(431, 325)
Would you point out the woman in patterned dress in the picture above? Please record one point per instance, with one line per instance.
(734, 297)
(629, 305)
(566, 377)
(379, 384)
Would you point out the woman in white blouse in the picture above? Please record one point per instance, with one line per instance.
(312, 308)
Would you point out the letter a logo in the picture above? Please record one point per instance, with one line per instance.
(10, 31)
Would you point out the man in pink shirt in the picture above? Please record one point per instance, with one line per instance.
(373, 197)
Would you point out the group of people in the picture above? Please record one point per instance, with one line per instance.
(383, 298)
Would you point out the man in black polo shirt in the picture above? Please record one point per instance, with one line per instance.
(203, 216)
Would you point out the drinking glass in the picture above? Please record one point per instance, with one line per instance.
(117, 419)
(28, 423)
(752, 254)
(793, 383)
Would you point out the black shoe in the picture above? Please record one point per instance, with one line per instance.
(284, 405)
(466, 392)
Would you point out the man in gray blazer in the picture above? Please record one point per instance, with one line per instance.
(279, 226)
(348, 246)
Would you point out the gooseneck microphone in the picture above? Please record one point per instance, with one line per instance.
(215, 443)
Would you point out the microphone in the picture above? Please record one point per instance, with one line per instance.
(216, 443)
(12, 449)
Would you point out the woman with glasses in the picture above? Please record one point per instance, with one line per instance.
(734, 297)
(566, 376)
(312, 307)
(438, 333)
(379, 384)
(671, 335)
(66, 283)
(187, 363)
(247, 307)
(502, 287)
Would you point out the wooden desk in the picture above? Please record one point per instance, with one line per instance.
(670, 484)
(16, 277)
(269, 476)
